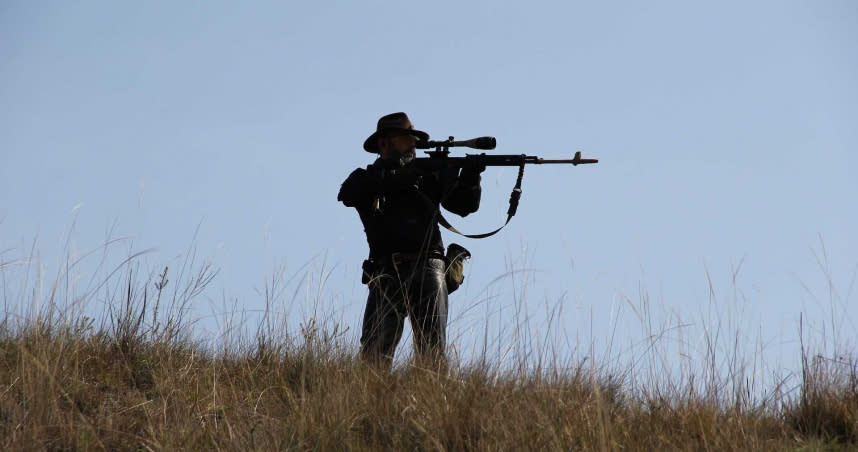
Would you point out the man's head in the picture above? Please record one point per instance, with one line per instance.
(394, 137)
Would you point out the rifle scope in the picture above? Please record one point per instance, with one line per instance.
(485, 143)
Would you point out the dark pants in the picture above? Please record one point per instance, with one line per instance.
(414, 290)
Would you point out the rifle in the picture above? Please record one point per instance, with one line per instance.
(440, 159)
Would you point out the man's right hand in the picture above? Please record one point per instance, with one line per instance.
(402, 179)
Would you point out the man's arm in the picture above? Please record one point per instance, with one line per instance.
(358, 190)
(464, 197)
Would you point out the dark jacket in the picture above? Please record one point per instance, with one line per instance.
(405, 220)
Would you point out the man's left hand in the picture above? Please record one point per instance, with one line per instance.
(471, 176)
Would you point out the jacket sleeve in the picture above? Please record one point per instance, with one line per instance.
(358, 190)
(464, 197)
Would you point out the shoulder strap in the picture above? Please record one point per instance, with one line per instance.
(513, 206)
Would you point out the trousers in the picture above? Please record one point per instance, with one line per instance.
(415, 290)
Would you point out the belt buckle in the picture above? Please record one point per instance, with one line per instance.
(395, 258)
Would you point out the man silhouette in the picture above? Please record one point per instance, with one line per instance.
(398, 207)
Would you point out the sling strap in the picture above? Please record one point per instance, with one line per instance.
(513, 206)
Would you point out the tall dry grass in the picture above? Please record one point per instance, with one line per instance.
(139, 379)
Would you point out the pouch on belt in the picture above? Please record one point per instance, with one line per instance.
(454, 273)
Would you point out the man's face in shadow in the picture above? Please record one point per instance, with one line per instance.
(398, 147)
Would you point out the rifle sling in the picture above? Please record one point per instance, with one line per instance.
(513, 206)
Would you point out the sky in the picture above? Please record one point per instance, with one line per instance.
(726, 135)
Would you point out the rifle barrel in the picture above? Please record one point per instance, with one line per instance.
(572, 161)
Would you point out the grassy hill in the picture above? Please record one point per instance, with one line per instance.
(132, 383)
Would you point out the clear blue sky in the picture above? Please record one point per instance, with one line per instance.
(727, 135)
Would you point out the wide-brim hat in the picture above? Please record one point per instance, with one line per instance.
(392, 124)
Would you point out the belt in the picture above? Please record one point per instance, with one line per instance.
(402, 258)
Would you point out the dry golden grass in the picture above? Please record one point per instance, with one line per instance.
(68, 389)
(139, 382)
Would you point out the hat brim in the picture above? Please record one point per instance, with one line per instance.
(371, 143)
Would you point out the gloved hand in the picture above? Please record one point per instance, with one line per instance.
(471, 176)
(403, 179)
